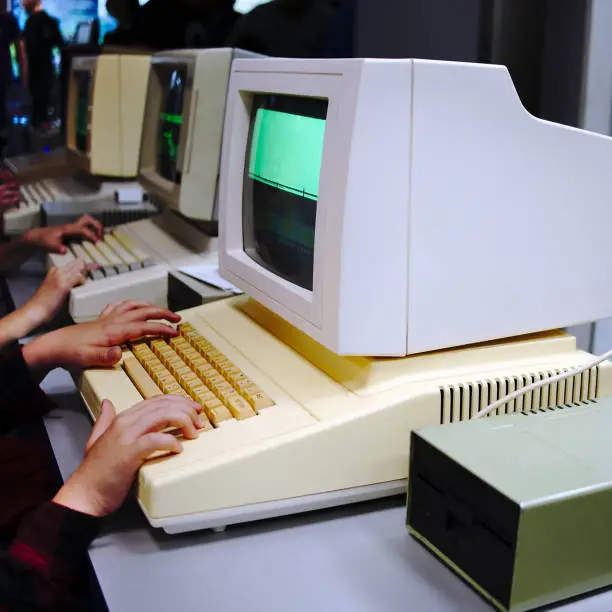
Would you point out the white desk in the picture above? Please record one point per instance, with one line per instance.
(354, 559)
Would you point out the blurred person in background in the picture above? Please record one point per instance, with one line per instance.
(42, 34)
(180, 24)
(213, 22)
(10, 36)
(124, 11)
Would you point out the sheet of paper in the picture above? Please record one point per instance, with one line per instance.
(209, 274)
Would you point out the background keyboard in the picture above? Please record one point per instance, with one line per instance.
(135, 262)
(116, 254)
(27, 215)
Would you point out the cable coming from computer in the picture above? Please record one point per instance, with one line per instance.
(542, 383)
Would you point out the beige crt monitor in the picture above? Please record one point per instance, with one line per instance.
(183, 128)
(434, 211)
(179, 167)
(328, 173)
(105, 108)
(106, 102)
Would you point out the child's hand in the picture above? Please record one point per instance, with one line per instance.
(55, 289)
(9, 196)
(119, 445)
(51, 239)
(98, 343)
(6, 176)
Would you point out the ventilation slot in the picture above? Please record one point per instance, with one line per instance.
(463, 401)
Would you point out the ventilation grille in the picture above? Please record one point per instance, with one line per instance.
(463, 401)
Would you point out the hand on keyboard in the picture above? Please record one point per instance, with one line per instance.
(55, 289)
(51, 239)
(119, 446)
(98, 343)
(6, 176)
(9, 195)
(119, 309)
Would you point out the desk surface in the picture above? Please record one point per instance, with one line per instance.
(354, 559)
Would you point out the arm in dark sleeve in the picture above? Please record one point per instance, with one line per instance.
(14, 33)
(45, 558)
(57, 38)
(20, 397)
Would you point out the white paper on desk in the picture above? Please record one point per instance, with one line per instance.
(209, 274)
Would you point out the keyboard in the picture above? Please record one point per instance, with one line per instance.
(64, 200)
(27, 214)
(134, 261)
(30, 167)
(293, 427)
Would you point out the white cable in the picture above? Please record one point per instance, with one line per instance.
(542, 383)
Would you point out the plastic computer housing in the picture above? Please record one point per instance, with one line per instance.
(447, 214)
(518, 506)
(117, 96)
(339, 427)
(199, 149)
(172, 240)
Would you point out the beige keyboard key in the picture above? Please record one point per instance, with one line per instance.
(222, 372)
(238, 406)
(138, 375)
(112, 257)
(81, 253)
(214, 409)
(126, 241)
(99, 258)
(128, 258)
(178, 342)
(190, 382)
(256, 397)
(148, 388)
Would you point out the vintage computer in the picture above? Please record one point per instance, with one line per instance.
(179, 168)
(106, 101)
(405, 232)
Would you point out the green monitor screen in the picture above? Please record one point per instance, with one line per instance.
(81, 119)
(170, 124)
(281, 184)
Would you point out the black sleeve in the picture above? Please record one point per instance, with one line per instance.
(12, 28)
(20, 397)
(57, 38)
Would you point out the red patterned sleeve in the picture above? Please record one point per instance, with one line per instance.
(45, 559)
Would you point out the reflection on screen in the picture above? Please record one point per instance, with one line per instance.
(81, 119)
(170, 123)
(281, 186)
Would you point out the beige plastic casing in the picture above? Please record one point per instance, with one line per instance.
(339, 423)
(199, 152)
(117, 104)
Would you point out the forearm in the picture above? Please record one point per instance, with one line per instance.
(39, 363)
(20, 323)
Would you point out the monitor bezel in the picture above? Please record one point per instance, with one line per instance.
(159, 187)
(262, 284)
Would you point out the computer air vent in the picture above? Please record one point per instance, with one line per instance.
(462, 401)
